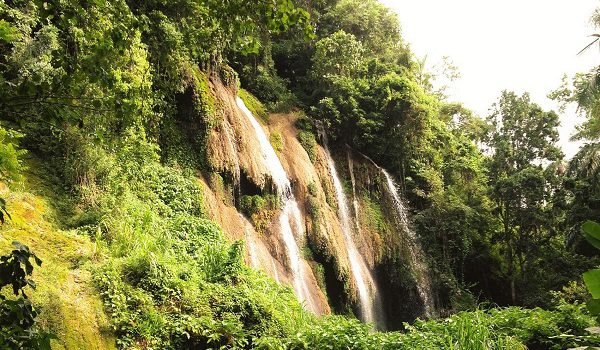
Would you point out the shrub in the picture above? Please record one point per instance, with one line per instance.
(17, 316)
(309, 143)
(10, 164)
(252, 204)
(270, 88)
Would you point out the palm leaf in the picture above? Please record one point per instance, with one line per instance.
(597, 36)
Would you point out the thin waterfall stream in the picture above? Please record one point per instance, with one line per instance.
(416, 252)
(290, 219)
(368, 293)
(354, 197)
(416, 255)
(251, 243)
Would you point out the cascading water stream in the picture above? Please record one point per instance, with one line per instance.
(230, 135)
(290, 219)
(368, 293)
(251, 243)
(416, 252)
(354, 197)
(275, 272)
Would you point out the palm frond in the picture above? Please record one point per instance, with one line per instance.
(590, 44)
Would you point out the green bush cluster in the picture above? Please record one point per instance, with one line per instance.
(18, 326)
(503, 328)
(309, 143)
(256, 204)
(260, 209)
(306, 136)
(10, 162)
(252, 204)
(202, 299)
(269, 88)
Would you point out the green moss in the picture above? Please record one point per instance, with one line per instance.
(70, 305)
(309, 143)
(373, 215)
(205, 101)
(319, 271)
(254, 105)
(261, 209)
(314, 208)
(276, 141)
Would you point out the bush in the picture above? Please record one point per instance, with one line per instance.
(10, 164)
(309, 143)
(252, 204)
(269, 88)
(17, 316)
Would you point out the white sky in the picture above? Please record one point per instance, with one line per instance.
(519, 45)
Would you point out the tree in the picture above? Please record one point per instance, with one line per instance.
(371, 22)
(339, 54)
(582, 184)
(523, 142)
(584, 91)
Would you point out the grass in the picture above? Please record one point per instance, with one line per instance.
(160, 283)
(69, 303)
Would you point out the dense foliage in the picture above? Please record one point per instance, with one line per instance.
(115, 98)
(492, 200)
(17, 326)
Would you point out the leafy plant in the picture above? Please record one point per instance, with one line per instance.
(591, 231)
(309, 143)
(3, 212)
(17, 316)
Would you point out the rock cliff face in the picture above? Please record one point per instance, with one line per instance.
(239, 171)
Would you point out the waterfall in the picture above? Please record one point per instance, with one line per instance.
(416, 255)
(251, 243)
(354, 197)
(416, 252)
(233, 148)
(275, 272)
(368, 293)
(290, 219)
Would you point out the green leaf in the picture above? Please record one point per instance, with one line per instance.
(8, 33)
(593, 241)
(592, 282)
(591, 232)
(592, 229)
(594, 306)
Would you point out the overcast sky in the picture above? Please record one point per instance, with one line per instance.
(519, 45)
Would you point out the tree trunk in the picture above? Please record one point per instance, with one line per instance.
(513, 293)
